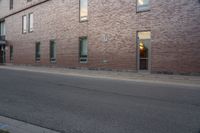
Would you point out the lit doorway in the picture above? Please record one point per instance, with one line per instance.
(144, 50)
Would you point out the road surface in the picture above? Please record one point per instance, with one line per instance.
(72, 104)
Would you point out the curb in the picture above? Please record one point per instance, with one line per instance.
(193, 81)
(16, 126)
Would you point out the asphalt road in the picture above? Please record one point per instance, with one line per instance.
(90, 105)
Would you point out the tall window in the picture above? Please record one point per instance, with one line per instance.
(11, 4)
(143, 5)
(24, 24)
(30, 23)
(2, 28)
(37, 51)
(83, 50)
(11, 53)
(83, 10)
(52, 51)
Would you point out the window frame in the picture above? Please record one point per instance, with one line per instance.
(81, 59)
(24, 31)
(138, 52)
(86, 20)
(2, 28)
(143, 10)
(11, 53)
(11, 5)
(37, 59)
(29, 22)
(52, 59)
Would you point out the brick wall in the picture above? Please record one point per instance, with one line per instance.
(174, 25)
(176, 36)
(17, 5)
(4, 8)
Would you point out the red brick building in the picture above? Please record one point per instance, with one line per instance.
(132, 35)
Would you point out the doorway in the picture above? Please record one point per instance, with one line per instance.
(144, 50)
(2, 54)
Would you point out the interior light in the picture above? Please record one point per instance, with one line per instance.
(141, 46)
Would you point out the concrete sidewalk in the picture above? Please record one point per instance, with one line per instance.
(128, 76)
(15, 126)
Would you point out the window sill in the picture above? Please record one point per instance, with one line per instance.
(30, 31)
(82, 21)
(83, 62)
(37, 61)
(53, 61)
(140, 11)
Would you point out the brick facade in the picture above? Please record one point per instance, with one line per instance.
(174, 26)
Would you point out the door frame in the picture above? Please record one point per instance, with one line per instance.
(138, 52)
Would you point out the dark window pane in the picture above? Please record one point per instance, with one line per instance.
(11, 53)
(11, 4)
(143, 64)
(37, 51)
(52, 51)
(83, 49)
(2, 28)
